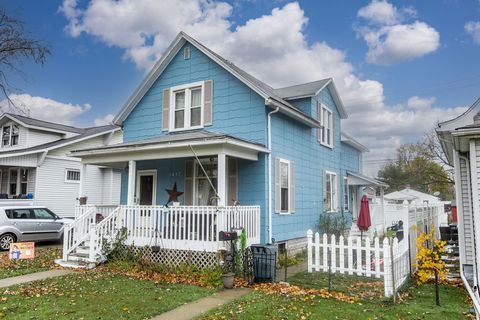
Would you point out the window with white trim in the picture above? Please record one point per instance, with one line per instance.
(72, 175)
(325, 134)
(187, 107)
(284, 185)
(346, 195)
(331, 192)
(10, 135)
(17, 181)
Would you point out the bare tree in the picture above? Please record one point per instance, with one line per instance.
(16, 46)
(434, 149)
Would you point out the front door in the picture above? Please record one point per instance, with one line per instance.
(146, 187)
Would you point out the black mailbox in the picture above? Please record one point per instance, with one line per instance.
(227, 236)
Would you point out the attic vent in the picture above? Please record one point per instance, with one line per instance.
(186, 53)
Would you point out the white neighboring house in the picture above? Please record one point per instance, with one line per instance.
(412, 196)
(35, 166)
(460, 140)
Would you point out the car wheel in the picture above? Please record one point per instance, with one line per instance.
(5, 240)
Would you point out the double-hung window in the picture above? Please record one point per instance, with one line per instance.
(325, 133)
(331, 192)
(187, 107)
(284, 185)
(10, 134)
(346, 195)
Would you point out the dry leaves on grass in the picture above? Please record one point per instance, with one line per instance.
(290, 290)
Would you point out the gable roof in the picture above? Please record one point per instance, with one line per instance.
(41, 124)
(87, 134)
(349, 140)
(310, 89)
(272, 98)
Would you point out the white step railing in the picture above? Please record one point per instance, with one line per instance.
(105, 230)
(77, 232)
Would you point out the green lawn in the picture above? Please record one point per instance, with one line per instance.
(94, 295)
(366, 288)
(44, 260)
(418, 302)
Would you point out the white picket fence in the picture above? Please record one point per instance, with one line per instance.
(363, 258)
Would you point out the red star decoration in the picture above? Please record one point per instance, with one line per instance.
(173, 194)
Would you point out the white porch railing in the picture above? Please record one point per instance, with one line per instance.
(104, 210)
(193, 228)
(188, 227)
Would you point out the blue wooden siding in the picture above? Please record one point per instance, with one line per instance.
(292, 141)
(237, 110)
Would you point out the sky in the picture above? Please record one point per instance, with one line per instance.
(400, 66)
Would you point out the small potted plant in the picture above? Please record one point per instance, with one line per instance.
(226, 263)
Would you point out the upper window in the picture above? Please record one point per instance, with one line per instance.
(72, 175)
(10, 135)
(325, 134)
(346, 195)
(331, 192)
(187, 107)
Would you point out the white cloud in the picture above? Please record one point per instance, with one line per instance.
(144, 28)
(389, 40)
(43, 108)
(473, 28)
(416, 102)
(102, 121)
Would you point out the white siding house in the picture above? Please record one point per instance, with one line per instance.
(460, 140)
(36, 166)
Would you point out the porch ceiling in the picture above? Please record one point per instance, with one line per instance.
(172, 146)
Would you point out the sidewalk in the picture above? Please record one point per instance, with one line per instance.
(198, 307)
(33, 277)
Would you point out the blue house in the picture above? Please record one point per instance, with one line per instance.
(241, 153)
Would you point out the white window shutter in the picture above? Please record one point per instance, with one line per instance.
(291, 187)
(166, 109)
(207, 103)
(319, 130)
(188, 192)
(277, 186)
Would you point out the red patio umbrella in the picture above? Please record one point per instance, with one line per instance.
(364, 221)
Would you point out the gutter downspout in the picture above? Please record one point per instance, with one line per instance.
(269, 146)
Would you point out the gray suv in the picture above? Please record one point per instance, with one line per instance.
(29, 223)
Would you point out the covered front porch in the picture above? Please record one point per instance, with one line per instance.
(176, 193)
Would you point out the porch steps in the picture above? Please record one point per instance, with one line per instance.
(75, 264)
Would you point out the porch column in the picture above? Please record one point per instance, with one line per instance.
(222, 179)
(132, 170)
(83, 178)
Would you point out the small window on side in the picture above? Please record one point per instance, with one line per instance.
(72, 176)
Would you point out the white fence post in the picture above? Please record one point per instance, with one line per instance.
(325, 252)
(350, 255)
(309, 250)
(387, 269)
(317, 251)
(333, 257)
(341, 249)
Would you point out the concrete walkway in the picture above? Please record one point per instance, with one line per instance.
(198, 307)
(33, 277)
